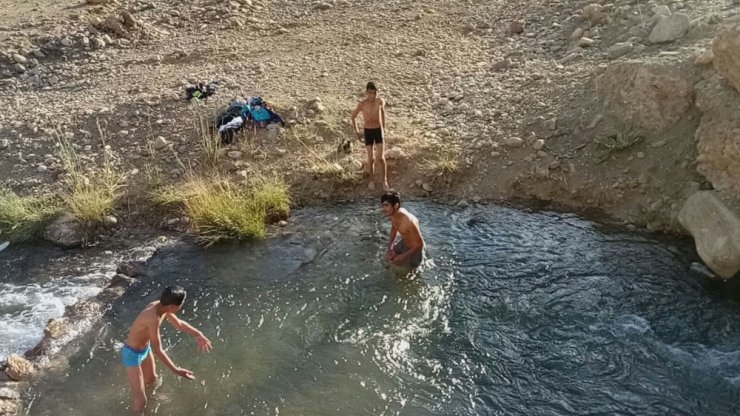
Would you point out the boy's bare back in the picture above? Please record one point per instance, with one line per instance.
(138, 336)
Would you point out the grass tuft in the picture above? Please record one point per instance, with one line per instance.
(24, 218)
(221, 210)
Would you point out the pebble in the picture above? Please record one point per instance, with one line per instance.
(585, 42)
(4, 144)
(20, 59)
(42, 168)
(160, 143)
(513, 142)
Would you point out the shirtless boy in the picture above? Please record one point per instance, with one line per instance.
(373, 115)
(144, 342)
(410, 249)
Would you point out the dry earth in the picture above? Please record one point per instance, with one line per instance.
(491, 100)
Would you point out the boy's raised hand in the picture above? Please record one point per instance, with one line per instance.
(204, 344)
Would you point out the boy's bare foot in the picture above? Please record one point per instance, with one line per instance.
(385, 186)
(371, 185)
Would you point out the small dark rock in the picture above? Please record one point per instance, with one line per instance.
(121, 280)
(131, 268)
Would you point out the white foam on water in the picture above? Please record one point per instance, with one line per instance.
(25, 309)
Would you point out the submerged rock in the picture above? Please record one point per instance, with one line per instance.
(711, 217)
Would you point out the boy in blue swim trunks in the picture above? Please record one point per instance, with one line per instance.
(144, 342)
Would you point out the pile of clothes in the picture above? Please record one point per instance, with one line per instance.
(201, 91)
(253, 112)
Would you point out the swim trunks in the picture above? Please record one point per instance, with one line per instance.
(373, 136)
(413, 261)
(133, 357)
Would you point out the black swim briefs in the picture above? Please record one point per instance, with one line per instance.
(373, 136)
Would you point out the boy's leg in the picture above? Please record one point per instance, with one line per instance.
(136, 381)
(380, 157)
(149, 369)
(370, 170)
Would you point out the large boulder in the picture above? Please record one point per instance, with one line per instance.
(670, 28)
(711, 217)
(19, 369)
(718, 135)
(648, 96)
(726, 49)
(65, 231)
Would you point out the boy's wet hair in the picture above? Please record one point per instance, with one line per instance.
(371, 86)
(172, 295)
(391, 196)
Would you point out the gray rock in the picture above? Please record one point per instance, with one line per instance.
(160, 143)
(670, 28)
(585, 42)
(660, 11)
(65, 232)
(4, 144)
(513, 142)
(235, 155)
(67, 42)
(98, 43)
(20, 59)
(593, 13)
(538, 144)
(427, 187)
(619, 49)
(726, 50)
(42, 168)
(711, 217)
(542, 172)
(704, 57)
(110, 221)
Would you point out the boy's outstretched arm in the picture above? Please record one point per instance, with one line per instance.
(156, 342)
(204, 344)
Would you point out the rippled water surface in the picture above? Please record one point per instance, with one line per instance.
(514, 313)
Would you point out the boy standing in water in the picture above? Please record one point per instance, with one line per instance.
(373, 115)
(410, 249)
(144, 342)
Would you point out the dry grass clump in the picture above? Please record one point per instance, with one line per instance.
(442, 160)
(90, 196)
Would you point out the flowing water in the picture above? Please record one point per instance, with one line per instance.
(37, 283)
(513, 313)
